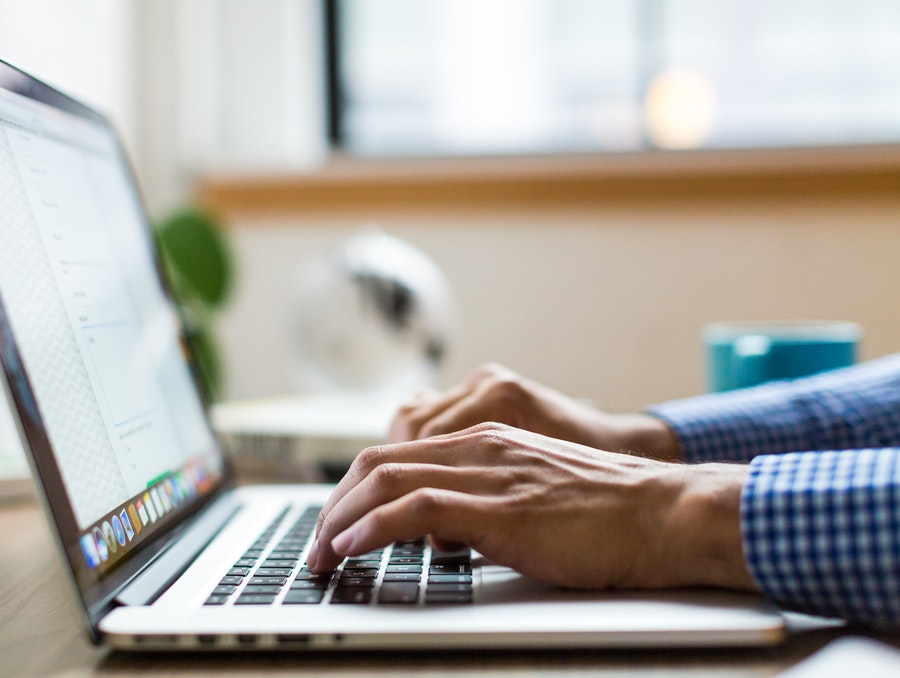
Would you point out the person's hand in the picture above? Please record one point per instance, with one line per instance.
(493, 393)
(556, 511)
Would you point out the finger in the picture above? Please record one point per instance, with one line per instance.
(387, 484)
(444, 544)
(411, 418)
(454, 449)
(466, 412)
(450, 516)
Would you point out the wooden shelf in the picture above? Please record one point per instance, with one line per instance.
(559, 182)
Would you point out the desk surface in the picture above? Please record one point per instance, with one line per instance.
(41, 635)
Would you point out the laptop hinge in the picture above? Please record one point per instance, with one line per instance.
(165, 569)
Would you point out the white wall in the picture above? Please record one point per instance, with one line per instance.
(85, 48)
(227, 86)
(602, 304)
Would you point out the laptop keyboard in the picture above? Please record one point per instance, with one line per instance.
(271, 572)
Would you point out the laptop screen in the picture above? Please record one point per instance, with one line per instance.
(90, 341)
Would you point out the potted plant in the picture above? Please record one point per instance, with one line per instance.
(199, 267)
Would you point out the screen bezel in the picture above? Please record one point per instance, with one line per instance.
(97, 592)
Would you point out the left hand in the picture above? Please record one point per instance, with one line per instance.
(554, 510)
(493, 393)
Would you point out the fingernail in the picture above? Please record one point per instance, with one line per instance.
(341, 544)
(313, 555)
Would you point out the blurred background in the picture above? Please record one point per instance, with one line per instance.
(597, 179)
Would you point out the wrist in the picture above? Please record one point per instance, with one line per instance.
(703, 529)
(648, 436)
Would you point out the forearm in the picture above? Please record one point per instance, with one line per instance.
(847, 409)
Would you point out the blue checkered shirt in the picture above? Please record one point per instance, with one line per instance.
(820, 512)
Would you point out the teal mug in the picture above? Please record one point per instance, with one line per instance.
(743, 354)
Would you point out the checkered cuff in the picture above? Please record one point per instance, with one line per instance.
(821, 532)
(852, 408)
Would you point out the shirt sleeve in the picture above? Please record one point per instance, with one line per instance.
(851, 408)
(820, 511)
(821, 532)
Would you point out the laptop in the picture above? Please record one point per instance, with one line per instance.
(163, 549)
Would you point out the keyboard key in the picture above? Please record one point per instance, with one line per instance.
(255, 599)
(274, 571)
(238, 571)
(224, 589)
(279, 562)
(359, 574)
(401, 552)
(449, 579)
(256, 590)
(362, 564)
(231, 579)
(306, 574)
(405, 560)
(216, 599)
(447, 598)
(285, 554)
(447, 568)
(404, 568)
(398, 593)
(357, 582)
(309, 584)
(402, 576)
(352, 596)
(245, 562)
(304, 597)
(267, 581)
(449, 588)
(293, 545)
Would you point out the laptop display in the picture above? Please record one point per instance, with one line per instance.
(89, 339)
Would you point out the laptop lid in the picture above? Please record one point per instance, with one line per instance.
(91, 346)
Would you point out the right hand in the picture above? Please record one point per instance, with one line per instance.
(493, 393)
(553, 510)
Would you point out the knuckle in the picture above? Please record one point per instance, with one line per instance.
(409, 408)
(410, 418)
(494, 437)
(370, 458)
(491, 430)
(386, 475)
(509, 390)
(427, 501)
(485, 369)
(406, 411)
(379, 520)
(486, 428)
(490, 370)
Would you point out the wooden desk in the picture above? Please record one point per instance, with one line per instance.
(41, 635)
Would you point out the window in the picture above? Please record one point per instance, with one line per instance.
(460, 77)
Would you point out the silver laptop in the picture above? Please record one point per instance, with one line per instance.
(164, 552)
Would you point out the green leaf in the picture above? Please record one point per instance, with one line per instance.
(194, 248)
